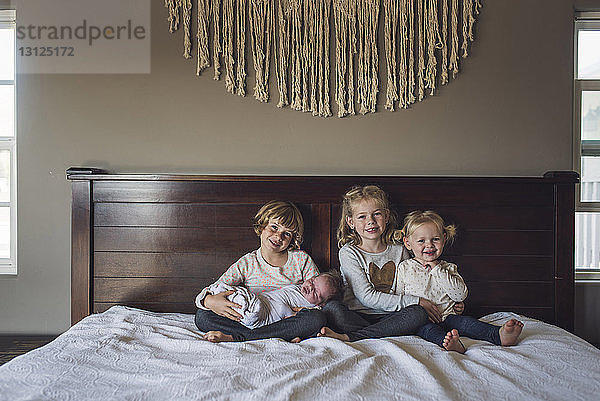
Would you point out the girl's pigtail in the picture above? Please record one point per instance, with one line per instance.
(450, 231)
(398, 235)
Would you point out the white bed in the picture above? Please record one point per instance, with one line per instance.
(132, 354)
(148, 242)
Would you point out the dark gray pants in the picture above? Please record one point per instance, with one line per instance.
(466, 325)
(305, 324)
(361, 325)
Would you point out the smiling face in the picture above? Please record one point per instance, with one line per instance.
(369, 220)
(317, 290)
(275, 237)
(426, 242)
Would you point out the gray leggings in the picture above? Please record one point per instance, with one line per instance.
(361, 325)
(466, 325)
(305, 324)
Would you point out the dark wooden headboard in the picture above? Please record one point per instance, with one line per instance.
(153, 241)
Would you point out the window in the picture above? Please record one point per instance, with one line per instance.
(8, 212)
(587, 144)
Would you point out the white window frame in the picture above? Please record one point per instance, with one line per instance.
(583, 20)
(9, 265)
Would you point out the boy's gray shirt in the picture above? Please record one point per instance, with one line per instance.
(370, 279)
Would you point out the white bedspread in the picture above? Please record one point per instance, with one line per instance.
(130, 354)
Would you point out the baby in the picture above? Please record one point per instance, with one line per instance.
(260, 309)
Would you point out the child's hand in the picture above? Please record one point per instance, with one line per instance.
(219, 304)
(459, 308)
(432, 310)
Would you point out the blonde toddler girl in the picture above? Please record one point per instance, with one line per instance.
(425, 275)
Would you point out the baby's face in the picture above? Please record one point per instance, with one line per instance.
(316, 290)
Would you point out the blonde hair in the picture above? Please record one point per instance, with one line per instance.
(417, 218)
(287, 214)
(357, 194)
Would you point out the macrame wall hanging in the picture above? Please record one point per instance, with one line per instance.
(423, 41)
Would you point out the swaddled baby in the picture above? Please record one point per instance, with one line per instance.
(260, 309)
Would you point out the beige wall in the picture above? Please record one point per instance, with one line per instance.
(507, 113)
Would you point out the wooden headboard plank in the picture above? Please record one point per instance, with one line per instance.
(525, 268)
(525, 217)
(321, 239)
(402, 190)
(81, 249)
(159, 264)
(154, 240)
(564, 245)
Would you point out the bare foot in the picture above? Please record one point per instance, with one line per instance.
(452, 342)
(510, 331)
(217, 337)
(327, 332)
(295, 340)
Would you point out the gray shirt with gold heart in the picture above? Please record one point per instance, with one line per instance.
(369, 279)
